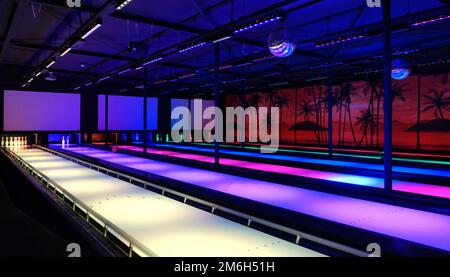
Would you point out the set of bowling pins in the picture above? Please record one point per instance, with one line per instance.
(14, 142)
(65, 142)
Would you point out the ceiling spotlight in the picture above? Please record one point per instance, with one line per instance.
(103, 79)
(124, 71)
(221, 39)
(121, 4)
(51, 62)
(94, 26)
(65, 51)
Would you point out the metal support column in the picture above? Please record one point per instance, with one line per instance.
(330, 114)
(106, 119)
(216, 96)
(387, 101)
(146, 87)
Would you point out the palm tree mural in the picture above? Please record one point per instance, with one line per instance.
(281, 101)
(374, 88)
(270, 97)
(398, 92)
(252, 101)
(306, 109)
(311, 92)
(378, 95)
(321, 111)
(324, 101)
(437, 101)
(365, 122)
(346, 92)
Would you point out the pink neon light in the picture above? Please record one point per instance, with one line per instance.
(409, 187)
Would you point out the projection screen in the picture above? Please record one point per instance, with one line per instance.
(41, 111)
(127, 113)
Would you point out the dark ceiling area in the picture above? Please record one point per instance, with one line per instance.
(186, 46)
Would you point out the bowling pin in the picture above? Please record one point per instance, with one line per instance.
(3, 142)
(67, 141)
(63, 142)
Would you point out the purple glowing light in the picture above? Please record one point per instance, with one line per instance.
(400, 70)
(429, 21)
(192, 47)
(409, 187)
(282, 49)
(152, 61)
(257, 24)
(338, 40)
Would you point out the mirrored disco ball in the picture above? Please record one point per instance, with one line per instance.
(280, 44)
(400, 70)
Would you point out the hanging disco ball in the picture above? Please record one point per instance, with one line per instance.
(400, 70)
(280, 44)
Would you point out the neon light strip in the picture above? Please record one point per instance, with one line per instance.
(350, 155)
(324, 162)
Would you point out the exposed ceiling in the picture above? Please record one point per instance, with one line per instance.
(34, 32)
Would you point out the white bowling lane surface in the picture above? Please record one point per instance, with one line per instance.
(165, 226)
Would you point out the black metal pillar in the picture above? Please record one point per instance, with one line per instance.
(1, 108)
(106, 119)
(419, 87)
(330, 114)
(146, 87)
(241, 103)
(216, 96)
(387, 101)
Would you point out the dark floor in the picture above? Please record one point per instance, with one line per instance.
(22, 235)
(31, 225)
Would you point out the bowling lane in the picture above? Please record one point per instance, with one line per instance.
(167, 227)
(278, 157)
(422, 227)
(403, 186)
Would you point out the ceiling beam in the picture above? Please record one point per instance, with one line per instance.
(126, 16)
(7, 36)
(105, 8)
(73, 51)
(157, 22)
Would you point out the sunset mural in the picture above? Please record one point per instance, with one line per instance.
(421, 113)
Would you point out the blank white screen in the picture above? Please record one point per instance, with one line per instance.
(41, 111)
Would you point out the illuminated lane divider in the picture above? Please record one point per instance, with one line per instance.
(134, 246)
